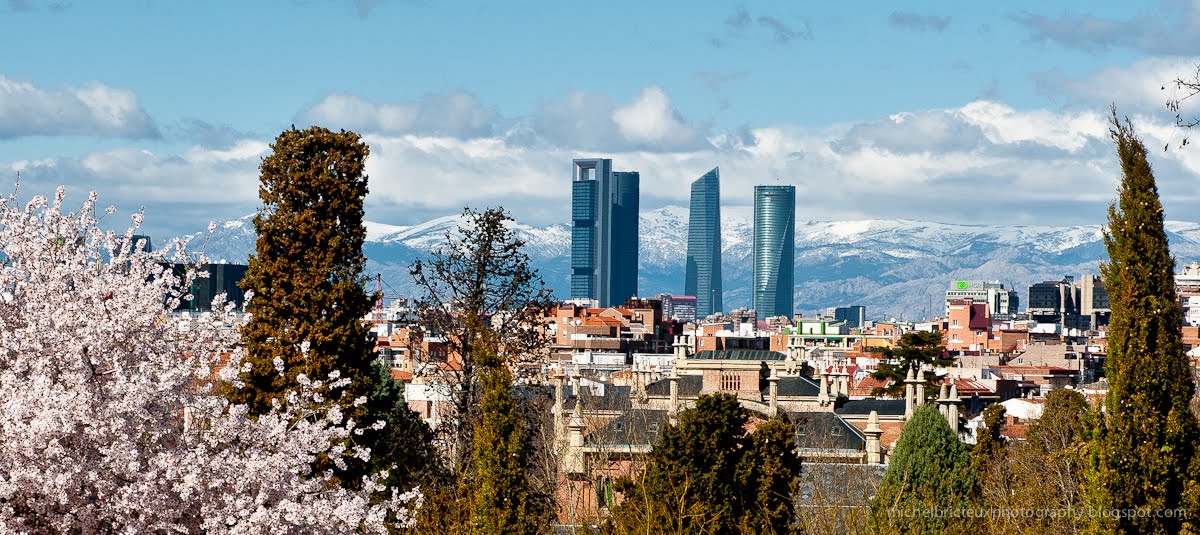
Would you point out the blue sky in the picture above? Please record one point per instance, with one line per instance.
(980, 113)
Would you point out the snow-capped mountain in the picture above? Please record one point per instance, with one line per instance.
(897, 268)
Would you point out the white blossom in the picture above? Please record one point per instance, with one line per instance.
(109, 417)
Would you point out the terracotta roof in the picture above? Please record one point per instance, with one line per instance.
(401, 375)
(867, 385)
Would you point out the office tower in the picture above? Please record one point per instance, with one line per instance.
(774, 249)
(703, 272)
(855, 316)
(604, 232)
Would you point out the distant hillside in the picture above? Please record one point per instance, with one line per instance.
(897, 268)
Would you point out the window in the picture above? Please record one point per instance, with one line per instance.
(731, 381)
(836, 431)
(955, 323)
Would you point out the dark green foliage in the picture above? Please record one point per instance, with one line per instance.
(501, 490)
(1144, 448)
(767, 475)
(306, 274)
(990, 444)
(707, 475)
(929, 469)
(405, 446)
(916, 349)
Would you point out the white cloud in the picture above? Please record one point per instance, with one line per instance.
(93, 109)
(650, 119)
(458, 114)
(181, 192)
(983, 162)
(1141, 87)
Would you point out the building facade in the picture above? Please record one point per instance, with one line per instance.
(703, 271)
(855, 316)
(774, 250)
(604, 232)
(1002, 302)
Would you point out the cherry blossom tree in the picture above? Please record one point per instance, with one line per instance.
(109, 420)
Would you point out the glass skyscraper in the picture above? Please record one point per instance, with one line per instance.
(703, 272)
(604, 232)
(774, 249)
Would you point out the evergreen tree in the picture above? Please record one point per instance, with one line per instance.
(929, 470)
(501, 490)
(307, 277)
(916, 349)
(707, 475)
(1144, 446)
(767, 475)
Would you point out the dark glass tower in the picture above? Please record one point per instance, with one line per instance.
(774, 249)
(703, 273)
(604, 232)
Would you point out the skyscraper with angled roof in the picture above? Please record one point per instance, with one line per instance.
(702, 277)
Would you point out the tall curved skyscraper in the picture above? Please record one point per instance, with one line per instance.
(774, 250)
(703, 271)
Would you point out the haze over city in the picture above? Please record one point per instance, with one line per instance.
(984, 114)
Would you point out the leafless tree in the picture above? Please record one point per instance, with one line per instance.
(480, 281)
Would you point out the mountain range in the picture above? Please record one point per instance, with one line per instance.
(897, 268)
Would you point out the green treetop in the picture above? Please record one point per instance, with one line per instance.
(1144, 448)
(916, 349)
(307, 273)
(930, 469)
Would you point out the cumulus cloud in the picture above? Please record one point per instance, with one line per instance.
(1174, 28)
(458, 114)
(982, 162)
(91, 109)
(206, 183)
(651, 120)
(909, 20)
(1143, 86)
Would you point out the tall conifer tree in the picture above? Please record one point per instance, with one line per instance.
(307, 273)
(1143, 452)
(501, 490)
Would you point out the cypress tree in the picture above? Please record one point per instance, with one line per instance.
(307, 274)
(501, 490)
(1144, 445)
(930, 472)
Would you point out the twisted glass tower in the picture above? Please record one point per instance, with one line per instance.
(604, 232)
(702, 277)
(774, 249)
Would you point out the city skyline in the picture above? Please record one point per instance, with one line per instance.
(171, 106)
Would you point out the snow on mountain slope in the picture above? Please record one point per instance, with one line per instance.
(897, 268)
